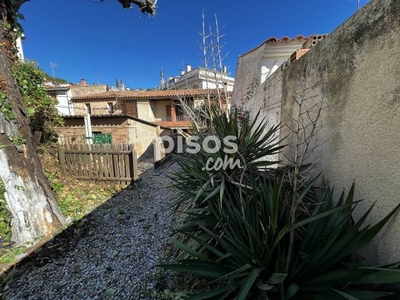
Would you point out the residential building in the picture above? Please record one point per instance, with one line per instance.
(62, 93)
(259, 63)
(200, 78)
(345, 94)
(120, 128)
(163, 108)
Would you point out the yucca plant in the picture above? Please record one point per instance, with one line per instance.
(254, 141)
(248, 251)
(236, 230)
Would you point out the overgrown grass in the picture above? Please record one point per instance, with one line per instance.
(76, 198)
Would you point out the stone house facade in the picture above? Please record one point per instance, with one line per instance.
(136, 117)
(159, 107)
(123, 129)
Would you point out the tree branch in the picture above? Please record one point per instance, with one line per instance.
(145, 6)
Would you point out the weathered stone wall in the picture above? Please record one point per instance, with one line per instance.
(98, 106)
(355, 73)
(79, 90)
(142, 136)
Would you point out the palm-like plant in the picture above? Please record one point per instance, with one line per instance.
(236, 230)
(254, 142)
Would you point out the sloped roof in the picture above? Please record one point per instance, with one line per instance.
(144, 94)
(286, 39)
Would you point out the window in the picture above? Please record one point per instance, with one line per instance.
(110, 107)
(101, 138)
(88, 109)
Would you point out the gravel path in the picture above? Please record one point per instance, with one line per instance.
(115, 253)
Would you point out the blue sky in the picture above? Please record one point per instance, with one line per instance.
(100, 42)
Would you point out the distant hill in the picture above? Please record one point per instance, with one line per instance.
(47, 77)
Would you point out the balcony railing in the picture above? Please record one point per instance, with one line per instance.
(169, 119)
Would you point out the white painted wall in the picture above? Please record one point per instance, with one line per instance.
(203, 79)
(160, 110)
(20, 49)
(144, 110)
(64, 105)
(275, 54)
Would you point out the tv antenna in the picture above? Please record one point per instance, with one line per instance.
(53, 66)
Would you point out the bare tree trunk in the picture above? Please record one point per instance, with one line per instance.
(30, 200)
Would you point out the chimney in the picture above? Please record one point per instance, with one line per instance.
(188, 68)
(182, 72)
(83, 82)
(224, 69)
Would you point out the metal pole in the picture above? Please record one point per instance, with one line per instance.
(88, 129)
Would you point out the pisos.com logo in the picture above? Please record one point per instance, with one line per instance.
(210, 144)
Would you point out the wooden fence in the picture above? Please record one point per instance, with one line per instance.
(108, 162)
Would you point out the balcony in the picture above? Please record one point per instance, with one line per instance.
(180, 122)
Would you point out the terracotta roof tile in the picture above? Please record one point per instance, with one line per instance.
(286, 39)
(144, 94)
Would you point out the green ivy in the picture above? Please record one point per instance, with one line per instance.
(5, 217)
(40, 107)
(17, 140)
(6, 108)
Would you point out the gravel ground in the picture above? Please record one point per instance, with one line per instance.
(113, 252)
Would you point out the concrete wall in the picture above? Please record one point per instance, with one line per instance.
(355, 74)
(160, 110)
(144, 110)
(142, 136)
(248, 75)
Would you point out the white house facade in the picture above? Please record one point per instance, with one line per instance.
(200, 78)
(62, 93)
(258, 64)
